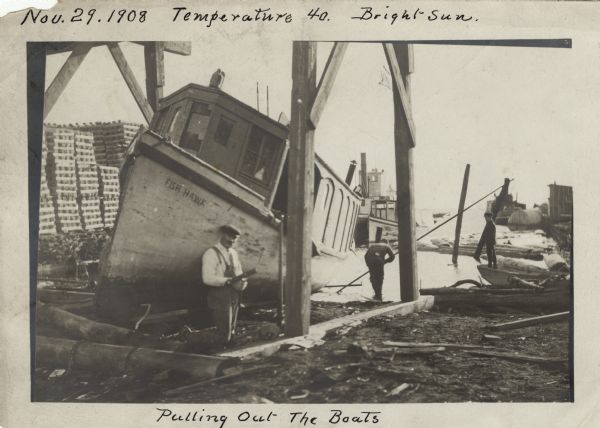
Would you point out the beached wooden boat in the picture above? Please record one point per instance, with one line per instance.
(210, 160)
(500, 277)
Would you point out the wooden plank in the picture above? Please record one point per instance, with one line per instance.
(178, 48)
(404, 144)
(154, 58)
(67, 71)
(131, 81)
(522, 358)
(326, 82)
(392, 54)
(433, 345)
(546, 319)
(318, 331)
(301, 159)
(461, 207)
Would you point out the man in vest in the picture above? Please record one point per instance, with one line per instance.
(375, 258)
(488, 238)
(220, 264)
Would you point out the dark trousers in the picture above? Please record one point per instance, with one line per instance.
(490, 250)
(223, 303)
(375, 265)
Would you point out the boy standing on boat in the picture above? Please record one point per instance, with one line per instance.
(375, 259)
(220, 264)
(488, 238)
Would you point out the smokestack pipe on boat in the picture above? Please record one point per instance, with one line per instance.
(363, 174)
(350, 173)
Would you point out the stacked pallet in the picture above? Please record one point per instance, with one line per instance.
(88, 198)
(47, 221)
(61, 176)
(109, 193)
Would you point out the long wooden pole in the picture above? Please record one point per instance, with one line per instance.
(461, 207)
(300, 191)
(404, 143)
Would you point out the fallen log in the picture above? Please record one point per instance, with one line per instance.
(523, 358)
(546, 319)
(64, 353)
(425, 345)
(78, 327)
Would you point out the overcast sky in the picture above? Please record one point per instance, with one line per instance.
(497, 108)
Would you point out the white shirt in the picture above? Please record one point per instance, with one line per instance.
(215, 264)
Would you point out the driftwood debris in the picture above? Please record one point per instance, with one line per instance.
(65, 353)
(545, 319)
(523, 358)
(427, 345)
(78, 327)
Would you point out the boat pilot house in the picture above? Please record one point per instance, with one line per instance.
(210, 160)
(229, 135)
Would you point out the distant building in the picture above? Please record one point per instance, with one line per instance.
(560, 202)
(375, 183)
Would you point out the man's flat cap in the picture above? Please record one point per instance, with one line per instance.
(230, 230)
(487, 213)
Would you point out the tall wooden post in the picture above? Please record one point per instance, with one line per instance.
(400, 61)
(461, 207)
(300, 191)
(36, 78)
(154, 58)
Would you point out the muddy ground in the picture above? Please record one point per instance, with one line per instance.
(353, 367)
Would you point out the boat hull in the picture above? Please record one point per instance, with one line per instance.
(171, 208)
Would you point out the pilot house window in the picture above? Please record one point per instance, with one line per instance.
(260, 157)
(195, 129)
(223, 132)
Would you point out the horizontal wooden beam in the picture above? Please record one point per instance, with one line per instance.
(178, 48)
(131, 81)
(326, 82)
(64, 75)
(398, 80)
(317, 331)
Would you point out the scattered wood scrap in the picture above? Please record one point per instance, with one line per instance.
(545, 319)
(195, 386)
(523, 358)
(427, 345)
(517, 282)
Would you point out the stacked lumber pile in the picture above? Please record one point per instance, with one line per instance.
(61, 176)
(47, 221)
(111, 140)
(88, 187)
(109, 193)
